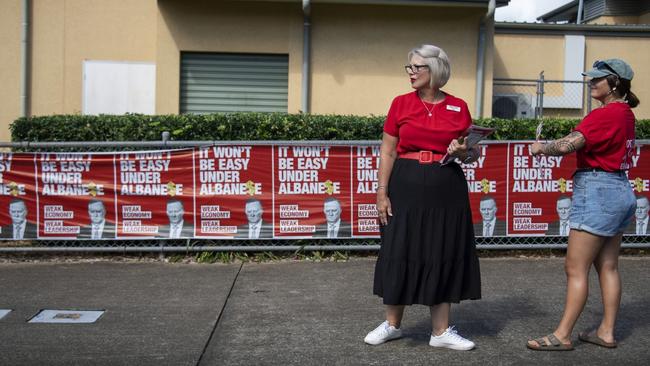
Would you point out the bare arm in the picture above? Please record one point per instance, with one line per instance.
(388, 154)
(565, 145)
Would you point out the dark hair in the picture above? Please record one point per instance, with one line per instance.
(175, 200)
(95, 200)
(487, 197)
(622, 90)
(253, 200)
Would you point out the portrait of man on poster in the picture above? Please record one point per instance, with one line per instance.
(177, 228)
(256, 227)
(19, 228)
(333, 227)
(98, 228)
(490, 225)
(562, 225)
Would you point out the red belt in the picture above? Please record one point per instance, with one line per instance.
(424, 156)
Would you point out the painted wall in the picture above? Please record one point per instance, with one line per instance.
(64, 34)
(241, 27)
(363, 61)
(10, 64)
(636, 52)
(630, 19)
(546, 52)
(357, 61)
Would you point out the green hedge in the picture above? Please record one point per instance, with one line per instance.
(252, 126)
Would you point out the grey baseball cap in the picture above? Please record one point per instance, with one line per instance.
(612, 66)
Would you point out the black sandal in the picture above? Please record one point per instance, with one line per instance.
(549, 343)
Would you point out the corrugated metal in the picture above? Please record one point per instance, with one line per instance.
(593, 9)
(626, 7)
(219, 82)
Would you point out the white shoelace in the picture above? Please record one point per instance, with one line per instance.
(453, 333)
(384, 329)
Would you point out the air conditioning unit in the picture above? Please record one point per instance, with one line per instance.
(513, 106)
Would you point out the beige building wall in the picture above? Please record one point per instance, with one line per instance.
(636, 52)
(357, 62)
(518, 56)
(630, 19)
(523, 56)
(644, 18)
(64, 34)
(10, 64)
(68, 32)
(223, 26)
(358, 66)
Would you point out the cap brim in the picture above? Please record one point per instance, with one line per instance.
(596, 73)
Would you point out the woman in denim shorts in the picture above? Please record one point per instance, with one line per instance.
(603, 202)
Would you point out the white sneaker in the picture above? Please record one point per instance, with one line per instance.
(451, 339)
(384, 332)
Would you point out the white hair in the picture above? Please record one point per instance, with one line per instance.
(438, 63)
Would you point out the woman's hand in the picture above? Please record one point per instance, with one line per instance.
(458, 149)
(383, 206)
(536, 148)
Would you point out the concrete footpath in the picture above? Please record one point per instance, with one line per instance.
(295, 313)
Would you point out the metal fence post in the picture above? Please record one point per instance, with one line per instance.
(539, 109)
(165, 138)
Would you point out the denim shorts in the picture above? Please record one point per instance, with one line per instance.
(603, 203)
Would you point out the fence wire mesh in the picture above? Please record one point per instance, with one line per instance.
(205, 245)
(536, 98)
(220, 245)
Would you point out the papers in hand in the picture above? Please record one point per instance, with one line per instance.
(472, 136)
(538, 132)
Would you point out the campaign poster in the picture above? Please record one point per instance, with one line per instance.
(76, 195)
(365, 165)
(234, 192)
(155, 194)
(540, 189)
(18, 206)
(312, 191)
(487, 185)
(639, 176)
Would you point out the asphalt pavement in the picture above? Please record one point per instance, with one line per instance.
(296, 313)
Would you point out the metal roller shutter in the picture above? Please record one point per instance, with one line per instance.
(224, 82)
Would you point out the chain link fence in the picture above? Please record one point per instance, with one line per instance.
(230, 245)
(537, 98)
(297, 245)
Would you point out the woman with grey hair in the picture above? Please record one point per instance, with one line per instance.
(428, 253)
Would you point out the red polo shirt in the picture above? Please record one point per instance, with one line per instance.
(609, 138)
(408, 119)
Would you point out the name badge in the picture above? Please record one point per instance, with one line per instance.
(453, 108)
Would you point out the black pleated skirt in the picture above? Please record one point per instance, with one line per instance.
(428, 252)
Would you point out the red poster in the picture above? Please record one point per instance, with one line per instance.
(486, 181)
(234, 192)
(540, 190)
(155, 194)
(365, 164)
(312, 191)
(639, 176)
(18, 213)
(76, 195)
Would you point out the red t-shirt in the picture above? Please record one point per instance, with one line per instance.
(409, 120)
(609, 138)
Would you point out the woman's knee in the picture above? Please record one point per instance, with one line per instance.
(609, 266)
(575, 269)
